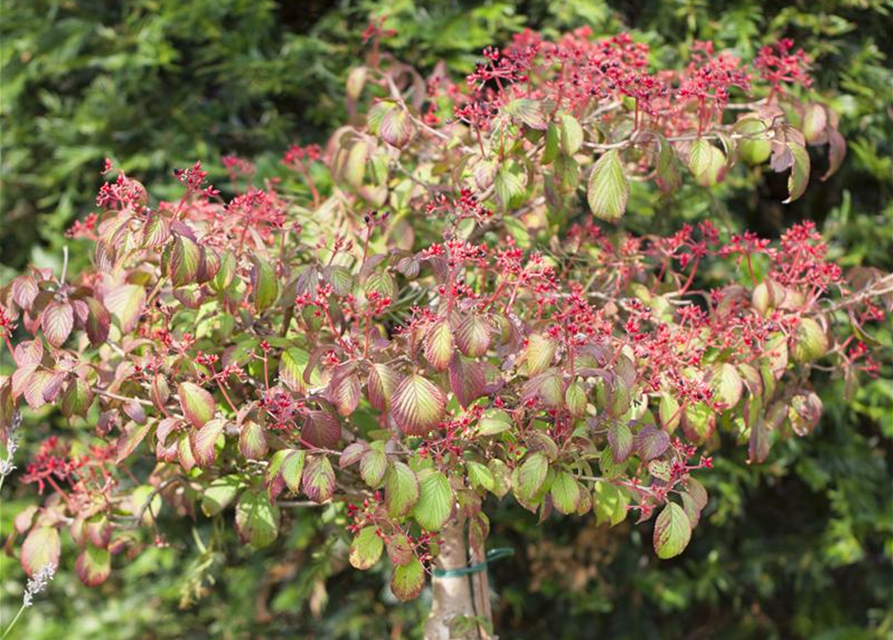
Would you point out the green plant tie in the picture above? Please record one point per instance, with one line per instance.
(492, 554)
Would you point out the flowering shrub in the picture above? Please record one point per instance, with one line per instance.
(438, 321)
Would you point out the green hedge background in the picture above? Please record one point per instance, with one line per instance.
(799, 547)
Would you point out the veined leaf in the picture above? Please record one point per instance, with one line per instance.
(608, 189)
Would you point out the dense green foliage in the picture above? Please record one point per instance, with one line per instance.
(799, 547)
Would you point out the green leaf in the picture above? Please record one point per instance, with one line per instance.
(480, 476)
(608, 190)
(509, 185)
(493, 422)
(553, 141)
(566, 493)
(373, 467)
(707, 163)
(408, 580)
(809, 341)
(531, 476)
(539, 354)
(257, 519)
(672, 531)
(126, 304)
(366, 549)
(435, 504)
(220, 494)
(264, 284)
(401, 490)
(571, 135)
(609, 503)
(292, 364)
(93, 565)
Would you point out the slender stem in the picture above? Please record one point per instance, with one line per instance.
(13, 623)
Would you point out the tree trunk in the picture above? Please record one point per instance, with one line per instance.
(453, 596)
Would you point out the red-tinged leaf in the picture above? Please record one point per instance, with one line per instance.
(672, 531)
(805, 411)
(36, 387)
(20, 379)
(417, 405)
(28, 353)
(344, 393)
(319, 479)
(608, 188)
(528, 111)
(380, 386)
(799, 176)
(264, 284)
(321, 429)
(126, 304)
(698, 422)
(547, 387)
(436, 500)
(185, 454)
(352, 454)
(439, 345)
(252, 441)
(257, 519)
(473, 336)
(697, 492)
(99, 530)
(41, 547)
(400, 550)
(815, 120)
(98, 321)
(93, 565)
(365, 549)
(156, 231)
(621, 440)
(539, 354)
(197, 404)
(134, 410)
(836, 152)
(25, 518)
(159, 391)
(401, 490)
(651, 443)
(408, 580)
(396, 128)
(57, 321)
(204, 441)
(373, 467)
(24, 291)
(466, 379)
(133, 435)
(185, 261)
